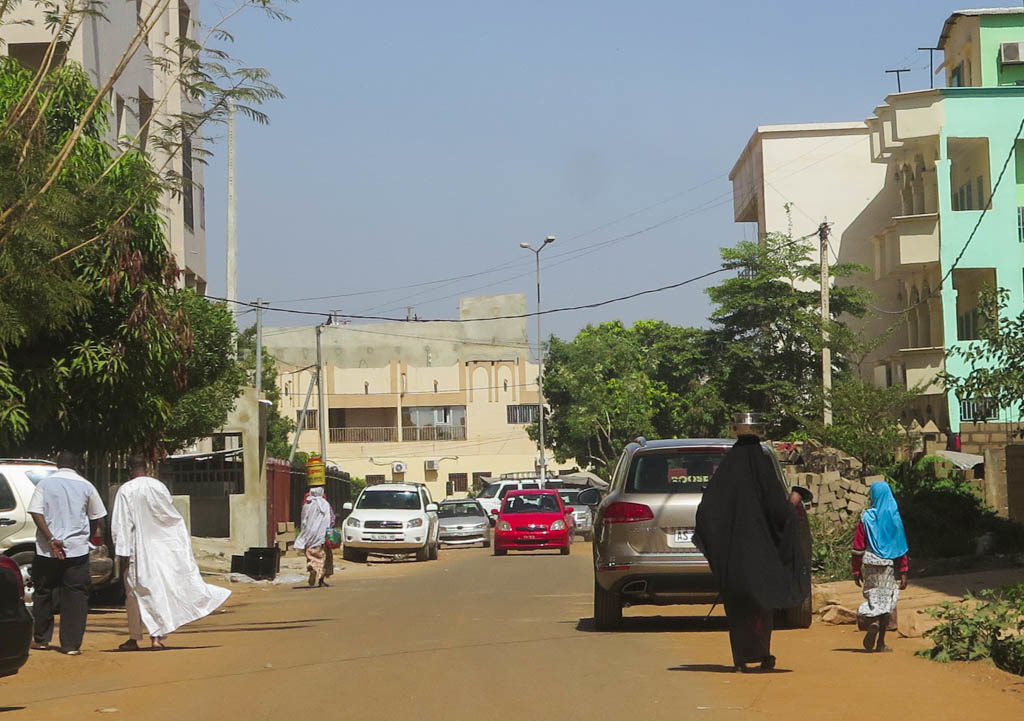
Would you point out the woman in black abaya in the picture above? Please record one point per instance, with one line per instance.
(747, 529)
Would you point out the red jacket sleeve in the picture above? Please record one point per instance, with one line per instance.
(860, 544)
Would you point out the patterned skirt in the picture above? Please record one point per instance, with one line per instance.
(881, 589)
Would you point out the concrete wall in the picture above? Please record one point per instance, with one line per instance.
(248, 511)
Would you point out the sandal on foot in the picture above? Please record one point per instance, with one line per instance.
(883, 649)
(129, 645)
(768, 663)
(869, 639)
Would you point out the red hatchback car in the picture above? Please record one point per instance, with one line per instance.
(533, 520)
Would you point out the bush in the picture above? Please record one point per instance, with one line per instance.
(986, 625)
(831, 543)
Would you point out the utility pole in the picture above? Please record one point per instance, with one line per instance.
(542, 458)
(322, 396)
(931, 65)
(826, 352)
(231, 289)
(302, 415)
(900, 71)
(259, 350)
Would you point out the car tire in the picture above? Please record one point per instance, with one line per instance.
(588, 536)
(798, 616)
(487, 543)
(353, 554)
(607, 609)
(423, 552)
(500, 551)
(434, 550)
(568, 547)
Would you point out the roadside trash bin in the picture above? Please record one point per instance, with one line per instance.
(238, 563)
(262, 562)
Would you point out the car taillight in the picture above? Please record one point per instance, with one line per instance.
(622, 512)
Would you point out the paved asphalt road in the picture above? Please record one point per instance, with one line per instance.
(472, 636)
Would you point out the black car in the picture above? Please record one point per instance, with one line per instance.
(15, 620)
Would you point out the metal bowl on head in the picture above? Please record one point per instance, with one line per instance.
(747, 424)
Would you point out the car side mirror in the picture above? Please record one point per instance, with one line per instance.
(569, 509)
(589, 497)
(346, 506)
(805, 493)
(431, 508)
(494, 511)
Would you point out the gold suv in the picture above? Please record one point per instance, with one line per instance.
(644, 552)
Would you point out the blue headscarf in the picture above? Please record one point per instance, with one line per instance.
(883, 523)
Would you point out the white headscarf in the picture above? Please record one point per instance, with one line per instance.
(317, 517)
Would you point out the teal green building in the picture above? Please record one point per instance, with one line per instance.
(945, 150)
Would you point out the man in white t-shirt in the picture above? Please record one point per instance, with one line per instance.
(68, 512)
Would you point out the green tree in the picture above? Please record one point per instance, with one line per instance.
(612, 383)
(213, 378)
(766, 334)
(865, 421)
(996, 360)
(278, 427)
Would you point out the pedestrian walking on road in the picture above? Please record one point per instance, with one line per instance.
(68, 512)
(879, 556)
(163, 587)
(317, 518)
(749, 533)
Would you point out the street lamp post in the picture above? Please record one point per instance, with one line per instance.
(540, 360)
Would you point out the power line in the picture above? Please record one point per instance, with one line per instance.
(514, 316)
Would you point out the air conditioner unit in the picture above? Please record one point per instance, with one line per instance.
(431, 465)
(1011, 53)
(398, 467)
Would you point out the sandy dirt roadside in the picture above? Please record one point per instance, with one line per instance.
(473, 636)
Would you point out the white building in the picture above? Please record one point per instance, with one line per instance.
(142, 90)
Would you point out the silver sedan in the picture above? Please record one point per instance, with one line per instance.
(463, 522)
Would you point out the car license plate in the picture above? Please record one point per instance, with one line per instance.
(386, 537)
(680, 537)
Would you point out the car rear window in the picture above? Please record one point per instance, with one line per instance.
(531, 504)
(36, 476)
(673, 471)
(459, 510)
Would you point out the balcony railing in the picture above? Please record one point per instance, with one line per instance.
(386, 434)
(434, 433)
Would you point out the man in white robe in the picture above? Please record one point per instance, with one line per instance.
(163, 587)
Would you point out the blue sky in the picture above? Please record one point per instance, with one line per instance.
(422, 141)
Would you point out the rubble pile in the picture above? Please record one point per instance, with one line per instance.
(834, 478)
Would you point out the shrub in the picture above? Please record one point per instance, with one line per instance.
(831, 543)
(986, 625)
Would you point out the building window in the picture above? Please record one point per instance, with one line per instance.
(968, 284)
(478, 480)
(978, 409)
(184, 20)
(307, 422)
(145, 113)
(1020, 225)
(32, 55)
(459, 482)
(372, 479)
(969, 173)
(522, 414)
(187, 191)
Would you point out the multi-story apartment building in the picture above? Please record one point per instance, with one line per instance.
(145, 89)
(442, 403)
(938, 224)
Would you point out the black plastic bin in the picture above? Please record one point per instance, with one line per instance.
(262, 562)
(238, 564)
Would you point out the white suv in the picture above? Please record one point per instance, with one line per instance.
(391, 519)
(18, 479)
(493, 494)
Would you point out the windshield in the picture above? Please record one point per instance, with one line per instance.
(459, 510)
(490, 491)
(531, 504)
(677, 471)
(396, 500)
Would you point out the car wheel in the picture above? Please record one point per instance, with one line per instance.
(568, 547)
(423, 552)
(588, 536)
(354, 555)
(607, 609)
(434, 549)
(24, 560)
(487, 543)
(798, 616)
(500, 551)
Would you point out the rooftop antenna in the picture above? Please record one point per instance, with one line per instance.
(931, 66)
(899, 86)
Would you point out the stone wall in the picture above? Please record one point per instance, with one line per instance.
(835, 497)
(980, 437)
